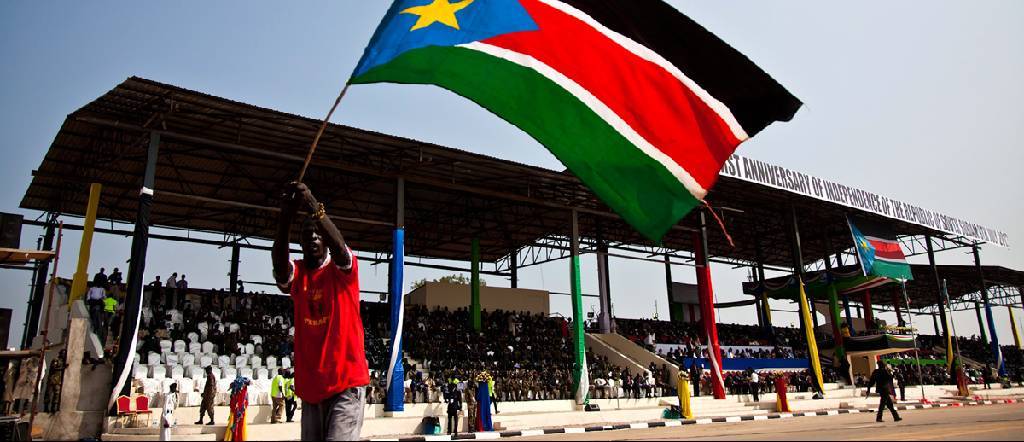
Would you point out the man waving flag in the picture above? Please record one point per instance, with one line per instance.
(640, 102)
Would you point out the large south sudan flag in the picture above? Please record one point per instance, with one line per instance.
(640, 102)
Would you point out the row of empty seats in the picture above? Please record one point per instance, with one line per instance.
(207, 359)
(179, 346)
(196, 372)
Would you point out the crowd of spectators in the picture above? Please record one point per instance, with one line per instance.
(786, 343)
(529, 356)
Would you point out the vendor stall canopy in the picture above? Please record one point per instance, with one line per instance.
(222, 164)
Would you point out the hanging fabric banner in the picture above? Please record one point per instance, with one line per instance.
(812, 343)
(396, 369)
(1013, 325)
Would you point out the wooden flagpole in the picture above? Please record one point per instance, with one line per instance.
(320, 132)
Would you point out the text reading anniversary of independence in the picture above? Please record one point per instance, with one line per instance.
(779, 177)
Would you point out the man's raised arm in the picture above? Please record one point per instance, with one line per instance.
(282, 242)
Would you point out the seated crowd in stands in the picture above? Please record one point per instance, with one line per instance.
(528, 355)
(788, 342)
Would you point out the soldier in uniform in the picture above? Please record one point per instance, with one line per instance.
(54, 383)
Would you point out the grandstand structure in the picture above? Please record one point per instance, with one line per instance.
(191, 162)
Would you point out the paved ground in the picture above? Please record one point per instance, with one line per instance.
(992, 422)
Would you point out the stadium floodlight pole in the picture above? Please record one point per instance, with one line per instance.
(913, 334)
(320, 132)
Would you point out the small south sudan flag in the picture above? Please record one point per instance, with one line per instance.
(879, 251)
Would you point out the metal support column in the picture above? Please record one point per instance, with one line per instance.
(39, 289)
(675, 310)
(997, 353)
(513, 268)
(581, 377)
(604, 292)
(233, 275)
(125, 357)
(940, 298)
(395, 401)
(80, 281)
(706, 295)
(805, 308)
(474, 285)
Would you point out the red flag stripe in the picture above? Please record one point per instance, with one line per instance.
(887, 249)
(652, 101)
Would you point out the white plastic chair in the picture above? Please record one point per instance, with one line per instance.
(152, 358)
(165, 346)
(195, 347)
(250, 349)
(245, 372)
(205, 361)
(271, 362)
(177, 372)
(172, 359)
(286, 362)
(207, 347)
(223, 361)
(241, 361)
(179, 346)
(228, 373)
(140, 372)
(262, 373)
(193, 337)
(158, 372)
(255, 362)
(188, 359)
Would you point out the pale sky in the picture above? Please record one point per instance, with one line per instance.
(915, 100)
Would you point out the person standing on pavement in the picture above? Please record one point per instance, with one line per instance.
(209, 394)
(695, 375)
(901, 383)
(290, 404)
(453, 397)
(277, 398)
(881, 379)
(755, 384)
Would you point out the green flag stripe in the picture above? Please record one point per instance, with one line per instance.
(892, 270)
(634, 185)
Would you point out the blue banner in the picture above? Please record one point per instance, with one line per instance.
(994, 341)
(396, 370)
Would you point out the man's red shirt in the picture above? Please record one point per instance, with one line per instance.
(329, 352)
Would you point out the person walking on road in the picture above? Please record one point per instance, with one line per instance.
(881, 379)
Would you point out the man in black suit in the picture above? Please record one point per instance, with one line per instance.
(881, 379)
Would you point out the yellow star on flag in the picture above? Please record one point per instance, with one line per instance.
(437, 11)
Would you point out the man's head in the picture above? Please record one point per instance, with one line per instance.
(313, 249)
(102, 269)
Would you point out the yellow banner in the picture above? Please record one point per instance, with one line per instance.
(1013, 323)
(949, 341)
(812, 344)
